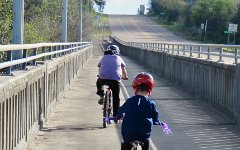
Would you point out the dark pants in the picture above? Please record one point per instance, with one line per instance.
(128, 146)
(115, 87)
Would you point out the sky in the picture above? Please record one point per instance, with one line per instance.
(124, 6)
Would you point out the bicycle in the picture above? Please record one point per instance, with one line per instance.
(107, 106)
(135, 143)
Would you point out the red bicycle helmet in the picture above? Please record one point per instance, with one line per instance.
(143, 78)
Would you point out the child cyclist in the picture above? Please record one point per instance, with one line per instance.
(139, 113)
(111, 71)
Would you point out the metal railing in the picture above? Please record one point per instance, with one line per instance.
(28, 98)
(33, 52)
(208, 51)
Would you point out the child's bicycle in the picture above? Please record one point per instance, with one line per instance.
(134, 144)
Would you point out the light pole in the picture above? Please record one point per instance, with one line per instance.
(64, 20)
(80, 22)
(18, 26)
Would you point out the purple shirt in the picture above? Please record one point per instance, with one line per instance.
(111, 67)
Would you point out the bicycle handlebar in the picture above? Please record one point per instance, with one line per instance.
(166, 129)
(124, 78)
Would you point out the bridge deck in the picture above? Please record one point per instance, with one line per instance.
(76, 122)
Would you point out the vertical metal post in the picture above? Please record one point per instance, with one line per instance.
(80, 22)
(55, 49)
(34, 54)
(236, 55)
(184, 48)
(64, 20)
(208, 55)
(50, 50)
(199, 51)
(24, 65)
(43, 51)
(178, 49)
(18, 27)
(220, 54)
(191, 49)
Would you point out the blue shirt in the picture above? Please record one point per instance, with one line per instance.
(111, 67)
(139, 115)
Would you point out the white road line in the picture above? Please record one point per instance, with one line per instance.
(152, 145)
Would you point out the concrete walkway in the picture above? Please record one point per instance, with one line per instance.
(76, 123)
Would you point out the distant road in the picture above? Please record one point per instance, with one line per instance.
(133, 28)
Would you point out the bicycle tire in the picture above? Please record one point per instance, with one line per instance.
(105, 108)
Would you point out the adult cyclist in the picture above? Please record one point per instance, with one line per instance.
(112, 69)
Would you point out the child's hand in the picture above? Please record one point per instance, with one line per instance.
(166, 130)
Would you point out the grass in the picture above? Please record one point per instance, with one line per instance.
(101, 28)
(179, 30)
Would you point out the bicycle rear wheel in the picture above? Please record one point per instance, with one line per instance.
(106, 108)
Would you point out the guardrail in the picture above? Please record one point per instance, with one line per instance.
(214, 82)
(193, 50)
(28, 98)
(31, 53)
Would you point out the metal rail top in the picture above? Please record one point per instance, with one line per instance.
(208, 50)
(38, 45)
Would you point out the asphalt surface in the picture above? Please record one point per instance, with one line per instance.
(76, 123)
(136, 28)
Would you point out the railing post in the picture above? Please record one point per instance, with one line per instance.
(220, 55)
(50, 50)
(43, 51)
(55, 49)
(184, 48)
(199, 51)
(191, 49)
(178, 50)
(34, 54)
(236, 55)
(9, 58)
(24, 65)
(208, 53)
(168, 48)
(173, 49)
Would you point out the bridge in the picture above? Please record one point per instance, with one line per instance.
(51, 103)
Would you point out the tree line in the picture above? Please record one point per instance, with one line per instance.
(215, 15)
(42, 20)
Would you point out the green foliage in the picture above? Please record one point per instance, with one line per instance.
(5, 21)
(43, 20)
(217, 12)
(191, 13)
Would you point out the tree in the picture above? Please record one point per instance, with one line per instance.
(217, 12)
(6, 16)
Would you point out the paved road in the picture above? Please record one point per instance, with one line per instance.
(76, 121)
(133, 28)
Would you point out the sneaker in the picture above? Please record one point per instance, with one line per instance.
(100, 101)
